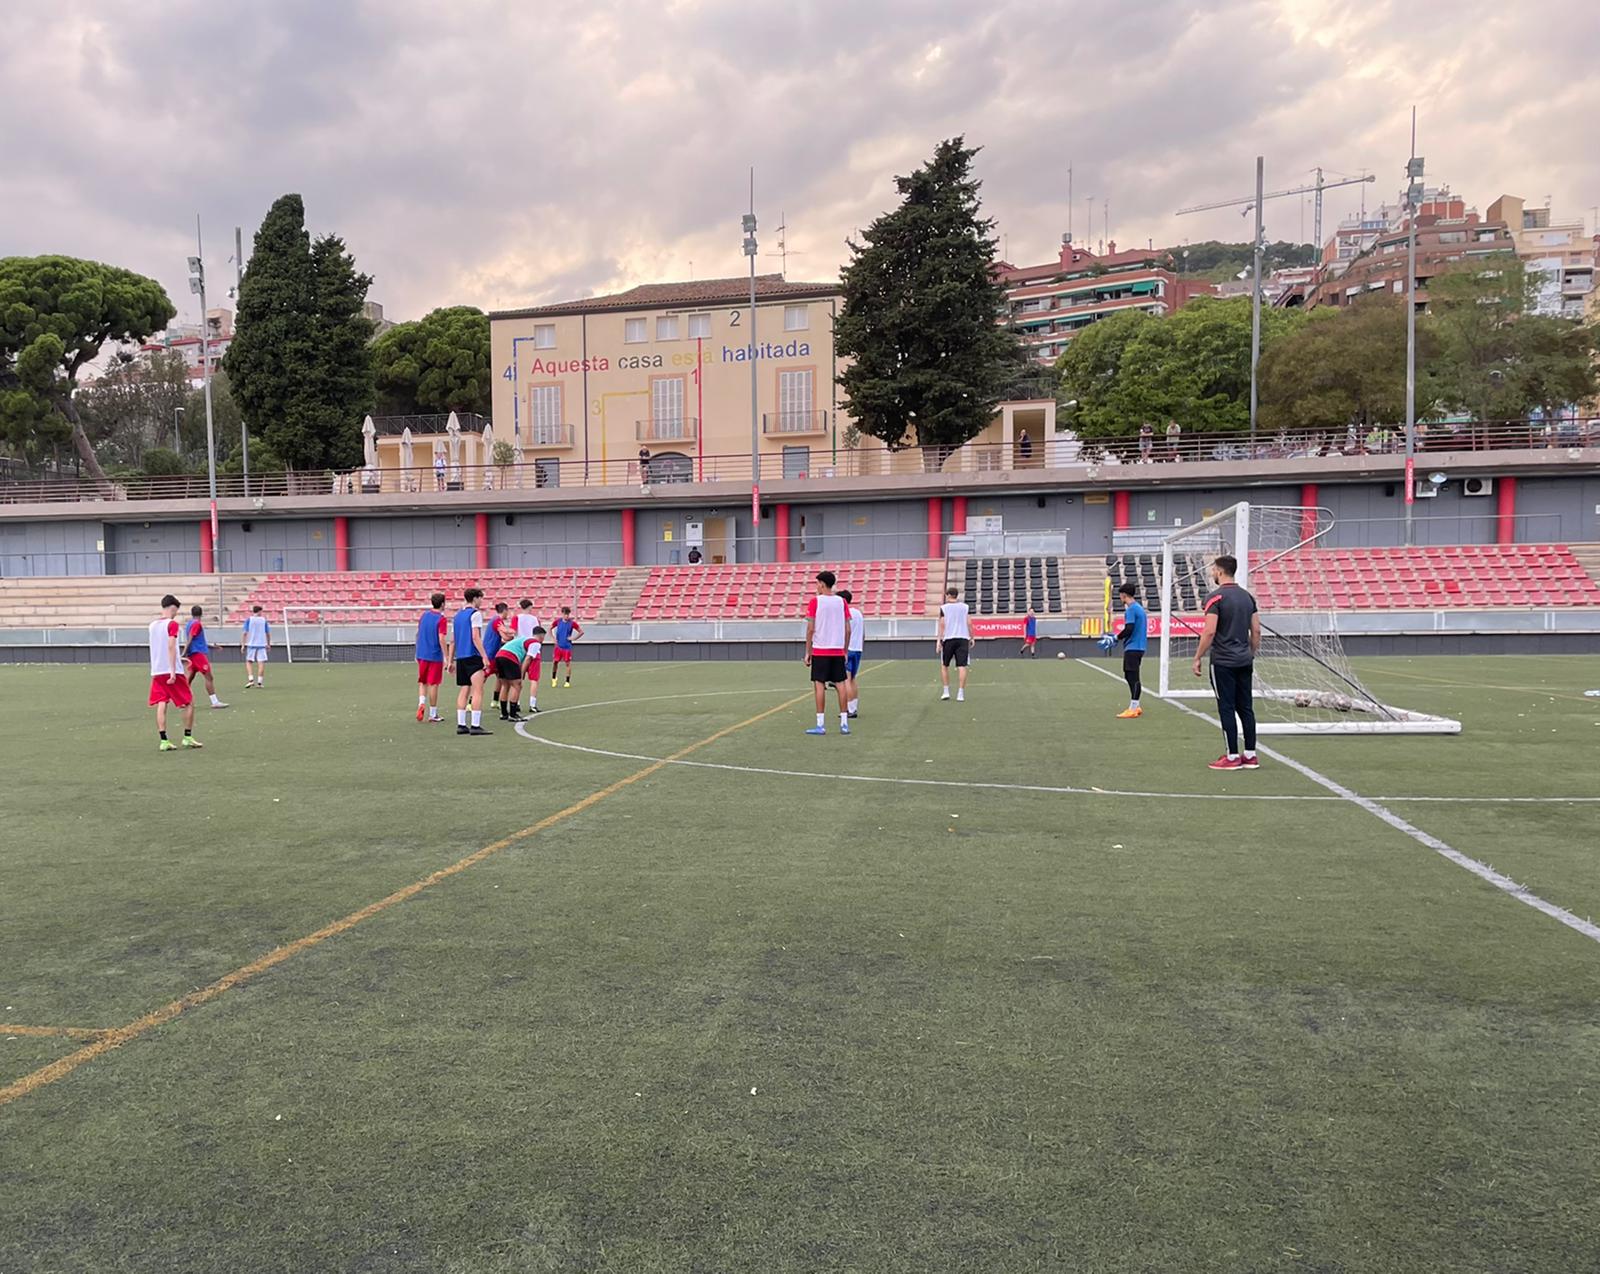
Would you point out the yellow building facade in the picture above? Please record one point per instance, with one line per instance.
(655, 383)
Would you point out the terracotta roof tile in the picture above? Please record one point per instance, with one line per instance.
(650, 296)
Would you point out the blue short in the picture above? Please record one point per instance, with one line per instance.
(852, 662)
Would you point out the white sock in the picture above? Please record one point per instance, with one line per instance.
(822, 720)
(477, 719)
(844, 720)
(433, 713)
(961, 696)
(1134, 703)
(945, 693)
(854, 703)
(461, 713)
(214, 698)
(423, 699)
(1233, 756)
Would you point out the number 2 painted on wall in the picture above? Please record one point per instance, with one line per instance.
(733, 317)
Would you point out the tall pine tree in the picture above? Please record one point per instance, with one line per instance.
(301, 360)
(929, 362)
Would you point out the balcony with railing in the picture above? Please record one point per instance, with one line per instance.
(667, 429)
(549, 438)
(794, 424)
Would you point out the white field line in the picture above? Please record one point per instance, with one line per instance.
(1483, 871)
(1045, 788)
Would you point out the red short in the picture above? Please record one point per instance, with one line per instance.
(175, 691)
(430, 672)
(200, 664)
(561, 656)
(533, 668)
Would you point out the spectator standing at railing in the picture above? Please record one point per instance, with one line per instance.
(1147, 442)
(1174, 437)
(644, 466)
(1024, 447)
(438, 470)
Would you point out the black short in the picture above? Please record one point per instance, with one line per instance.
(829, 669)
(468, 668)
(955, 651)
(507, 668)
(1131, 659)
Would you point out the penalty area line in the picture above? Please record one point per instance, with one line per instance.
(1482, 870)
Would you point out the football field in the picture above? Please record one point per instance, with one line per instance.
(659, 983)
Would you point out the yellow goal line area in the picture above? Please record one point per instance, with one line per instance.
(66, 1032)
(104, 1041)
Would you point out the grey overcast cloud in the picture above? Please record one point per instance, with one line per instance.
(501, 154)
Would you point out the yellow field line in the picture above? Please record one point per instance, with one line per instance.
(71, 1032)
(116, 1037)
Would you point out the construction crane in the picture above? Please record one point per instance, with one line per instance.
(1255, 201)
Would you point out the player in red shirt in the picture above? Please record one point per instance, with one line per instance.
(168, 684)
(827, 643)
(197, 652)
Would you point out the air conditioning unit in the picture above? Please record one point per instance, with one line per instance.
(1426, 491)
(1477, 486)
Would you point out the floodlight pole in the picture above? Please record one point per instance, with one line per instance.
(1413, 195)
(1255, 301)
(238, 291)
(755, 424)
(197, 284)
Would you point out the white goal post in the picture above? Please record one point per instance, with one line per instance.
(310, 631)
(1304, 683)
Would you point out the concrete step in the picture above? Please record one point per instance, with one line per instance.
(623, 596)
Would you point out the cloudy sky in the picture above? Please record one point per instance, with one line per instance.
(501, 154)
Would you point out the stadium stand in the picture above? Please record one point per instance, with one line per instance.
(112, 601)
(581, 588)
(779, 591)
(1456, 577)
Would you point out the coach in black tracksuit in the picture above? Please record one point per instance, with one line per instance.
(1232, 635)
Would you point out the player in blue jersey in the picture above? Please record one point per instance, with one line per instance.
(432, 640)
(566, 629)
(498, 629)
(1135, 639)
(466, 641)
(197, 654)
(1030, 634)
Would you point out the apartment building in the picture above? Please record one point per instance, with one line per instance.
(1560, 255)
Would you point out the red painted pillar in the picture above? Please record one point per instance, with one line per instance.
(958, 515)
(208, 560)
(481, 537)
(1308, 504)
(1121, 510)
(780, 529)
(341, 543)
(1505, 523)
(630, 552)
(935, 526)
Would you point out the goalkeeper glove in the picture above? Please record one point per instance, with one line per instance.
(1108, 643)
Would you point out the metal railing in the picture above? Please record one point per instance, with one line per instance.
(676, 461)
(794, 423)
(667, 429)
(432, 423)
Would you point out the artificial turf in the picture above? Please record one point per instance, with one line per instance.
(731, 1019)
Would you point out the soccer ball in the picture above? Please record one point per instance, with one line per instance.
(1061, 654)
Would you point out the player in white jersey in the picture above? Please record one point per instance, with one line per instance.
(169, 682)
(527, 621)
(852, 655)
(827, 640)
(254, 644)
(954, 643)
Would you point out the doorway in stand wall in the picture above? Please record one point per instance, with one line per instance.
(716, 548)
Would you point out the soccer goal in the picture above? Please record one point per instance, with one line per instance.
(312, 633)
(1304, 683)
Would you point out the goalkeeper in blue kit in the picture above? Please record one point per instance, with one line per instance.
(1134, 640)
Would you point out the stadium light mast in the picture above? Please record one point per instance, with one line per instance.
(1256, 202)
(238, 289)
(755, 424)
(1413, 201)
(197, 285)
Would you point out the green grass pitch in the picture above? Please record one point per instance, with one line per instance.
(743, 1013)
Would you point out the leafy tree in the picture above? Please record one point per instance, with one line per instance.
(1343, 367)
(1222, 261)
(133, 404)
(162, 461)
(56, 314)
(263, 459)
(437, 363)
(1495, 359)
(927, 359)
(1192, 367)
(227, 421)
(301, 358)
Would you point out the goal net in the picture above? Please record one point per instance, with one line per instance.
(313, 633)
(1304, 683)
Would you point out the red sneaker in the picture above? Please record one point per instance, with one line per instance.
(421, 712)
(1227, 763)
(1249, 761)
